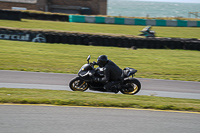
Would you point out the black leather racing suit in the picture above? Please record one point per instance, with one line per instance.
(112, 74)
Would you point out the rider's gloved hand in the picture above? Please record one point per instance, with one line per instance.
(94, 63)
(96, 79)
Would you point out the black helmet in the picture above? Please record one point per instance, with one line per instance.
(102, 60)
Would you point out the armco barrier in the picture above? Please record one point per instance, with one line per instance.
(133, 21)
(77, 18)
(181, 23)
(90, 19)
(119, 20)
(140, 22)
(192, 23)
(110, 20)
(99, 19)
(151, 22)
(129, 21)
(161, 23)
(98, 40)
(172, 23)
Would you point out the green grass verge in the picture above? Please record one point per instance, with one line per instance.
(178, 32)
(58, 97)
(64, 58)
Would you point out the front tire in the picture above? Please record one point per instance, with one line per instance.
(133, 86)
(77, 84)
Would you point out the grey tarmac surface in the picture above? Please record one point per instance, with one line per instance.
(57, 81)
(62, 119)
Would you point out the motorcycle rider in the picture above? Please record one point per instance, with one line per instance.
(112, 74)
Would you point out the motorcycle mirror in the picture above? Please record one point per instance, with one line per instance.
(88, 58)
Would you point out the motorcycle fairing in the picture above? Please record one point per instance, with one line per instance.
(129, 71)
(85, 67)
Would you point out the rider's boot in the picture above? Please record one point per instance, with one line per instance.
(115, 89)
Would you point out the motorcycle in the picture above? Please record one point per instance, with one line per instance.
(128, 84)
(147, 32)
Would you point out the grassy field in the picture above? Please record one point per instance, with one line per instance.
(178, 32)
(55, 97)
(64, 58)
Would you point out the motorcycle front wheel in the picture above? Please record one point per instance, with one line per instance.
(131, 87)
(77, 84)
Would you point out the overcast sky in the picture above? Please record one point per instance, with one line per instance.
(182, 1)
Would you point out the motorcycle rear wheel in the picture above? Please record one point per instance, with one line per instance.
(77, 84)
(134, 87)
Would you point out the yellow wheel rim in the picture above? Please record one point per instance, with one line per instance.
(78, 86)
(135, 89)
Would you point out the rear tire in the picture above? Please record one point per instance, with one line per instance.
(134, 88)
(77, 84)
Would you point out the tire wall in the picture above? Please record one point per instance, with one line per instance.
(40, 16)
(10, 15)
(18, 15)
(98, 40)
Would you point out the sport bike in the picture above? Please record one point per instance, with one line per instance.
(147, 32)
(127, 85)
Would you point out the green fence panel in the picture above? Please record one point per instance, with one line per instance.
(119, 20)
(198, 23)
(161, 23)
(70, 18)
(140, 22)
(77, 18)
(99, 19)
(181, 23)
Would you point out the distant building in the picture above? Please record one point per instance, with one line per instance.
(93, 7)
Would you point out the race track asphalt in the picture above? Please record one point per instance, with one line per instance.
(62, 119)
(57, 81)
